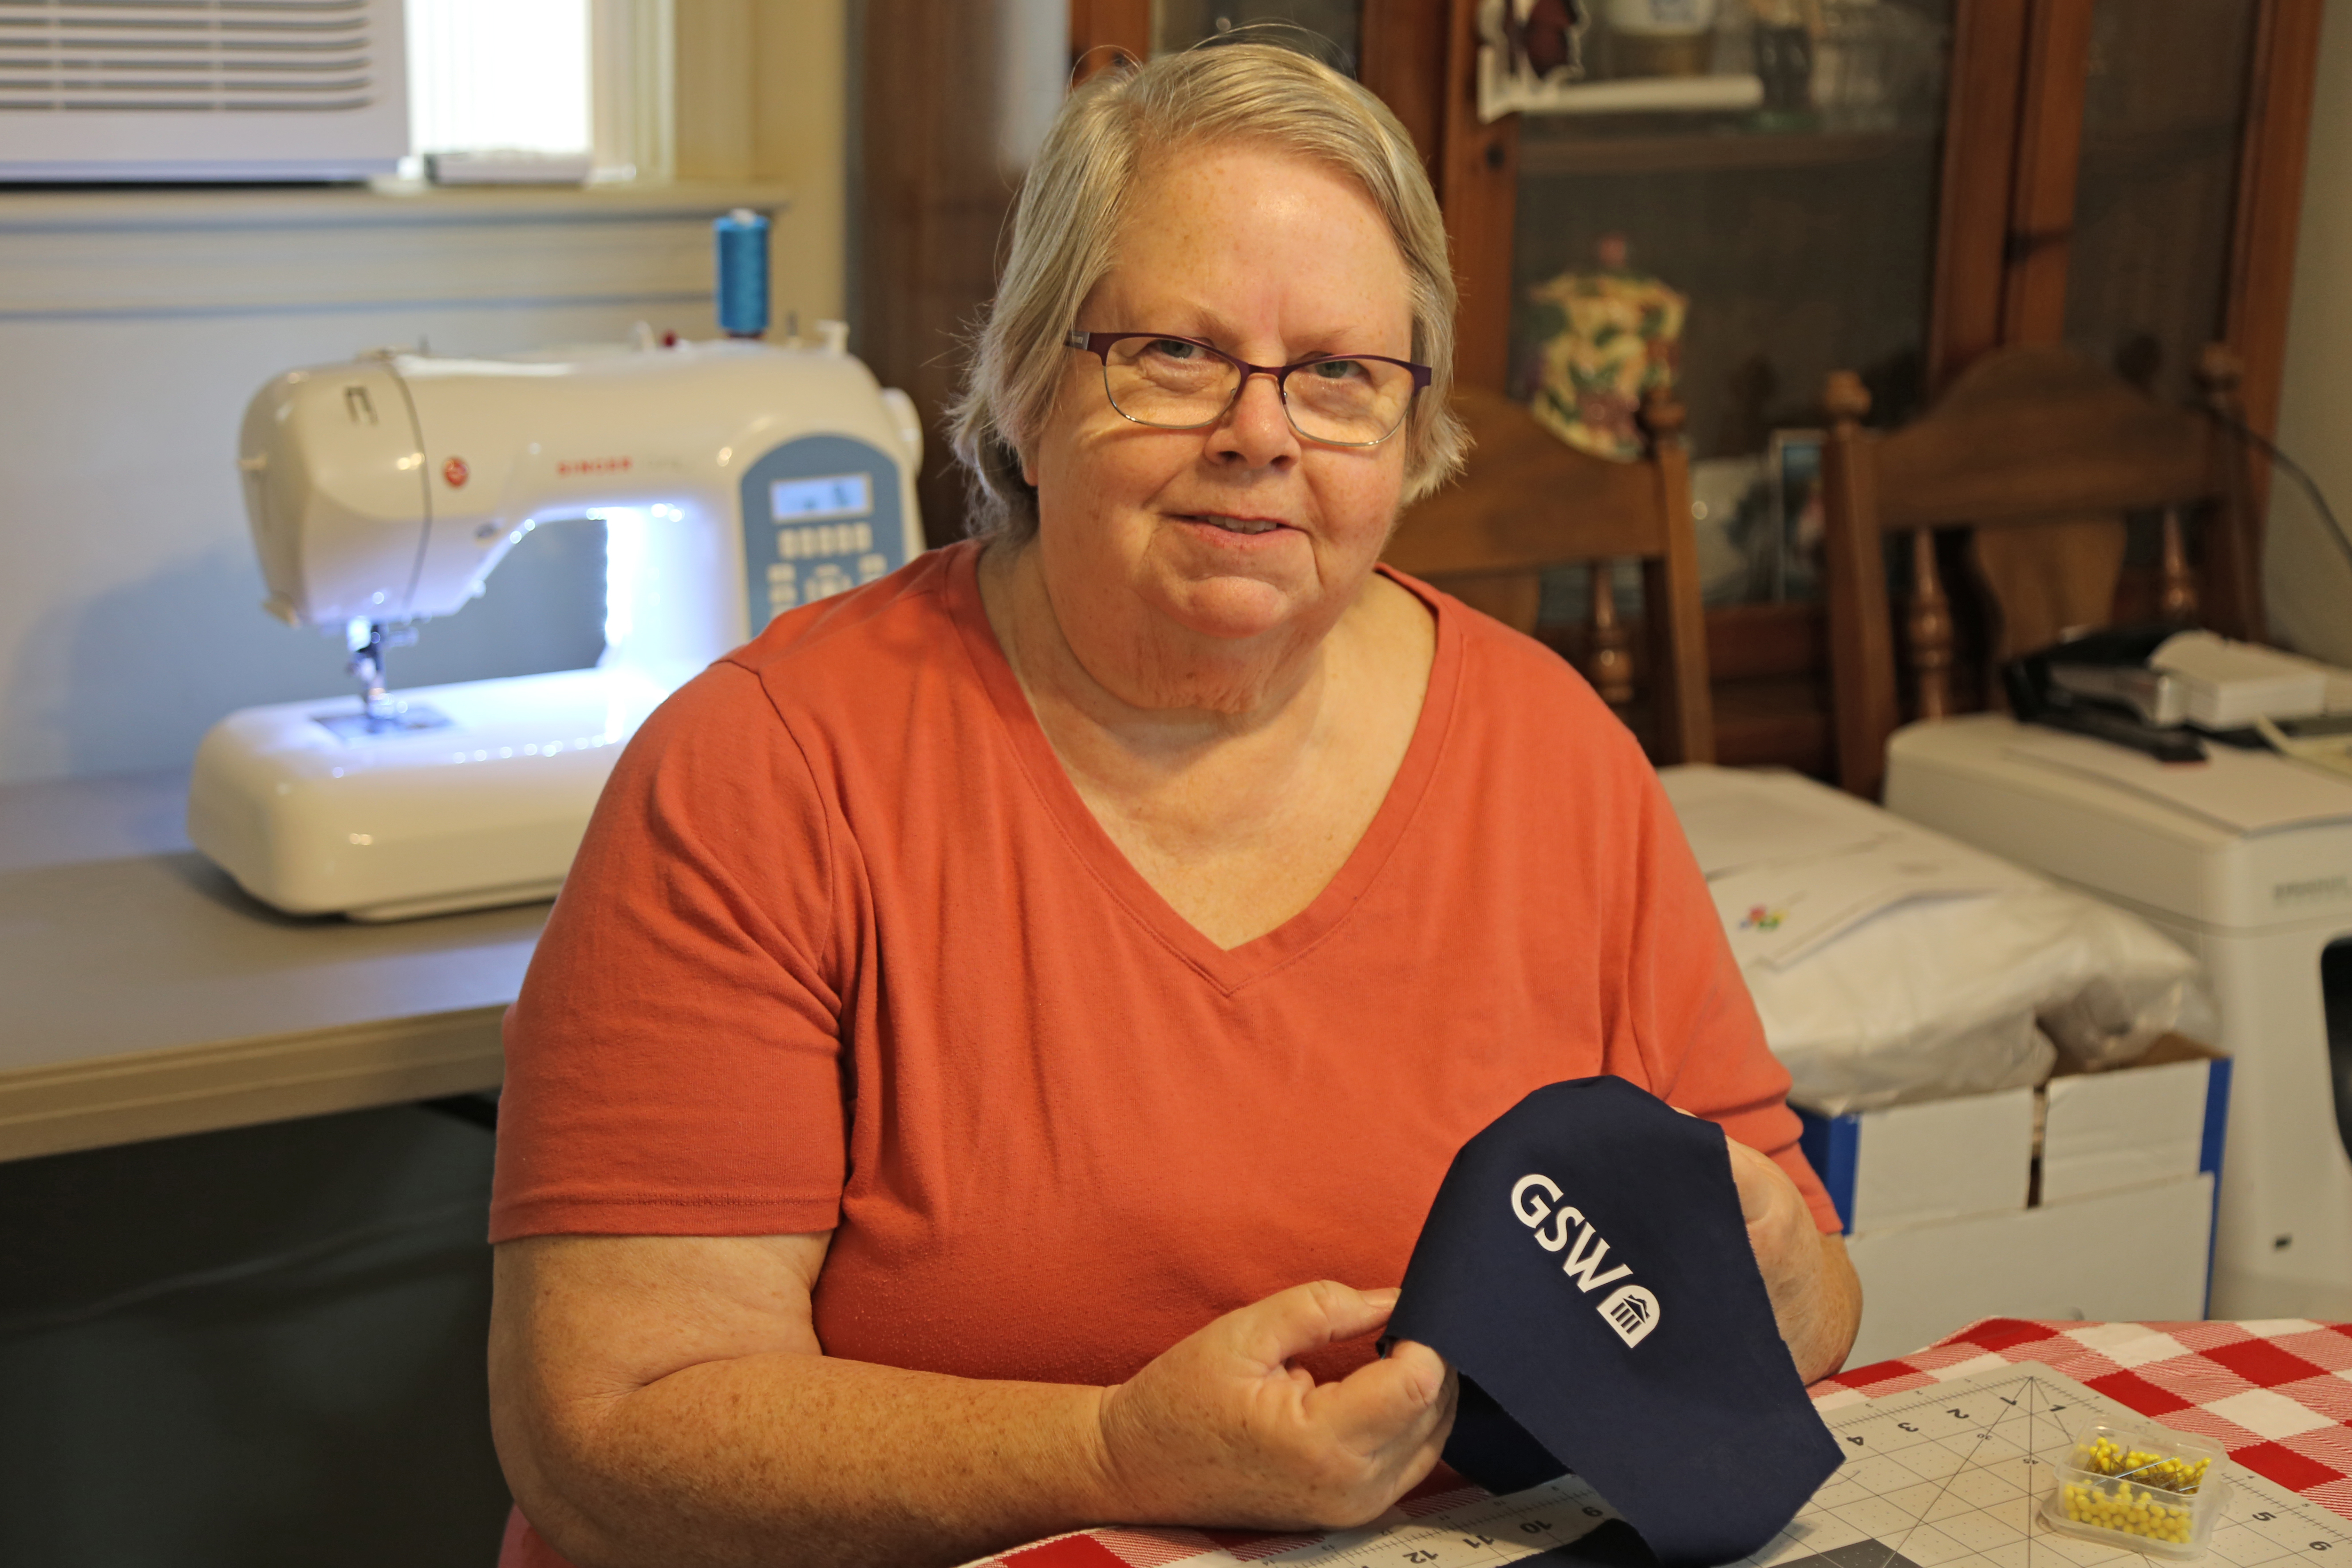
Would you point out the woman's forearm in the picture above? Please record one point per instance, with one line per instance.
(797, 1458)
(665, 1400)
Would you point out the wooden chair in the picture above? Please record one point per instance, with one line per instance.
(1529, 501)
(2041, 454)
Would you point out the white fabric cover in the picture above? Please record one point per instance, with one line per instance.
(1929, 968)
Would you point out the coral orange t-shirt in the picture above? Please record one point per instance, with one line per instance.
(843, 949)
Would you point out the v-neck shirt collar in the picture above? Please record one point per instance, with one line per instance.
(1228, 969)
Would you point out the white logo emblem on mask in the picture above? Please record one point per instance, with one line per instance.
(1629, 1310)
(1632, 1311)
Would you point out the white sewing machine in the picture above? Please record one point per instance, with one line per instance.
(735, 480)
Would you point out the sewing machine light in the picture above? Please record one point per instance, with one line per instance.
(624, 553)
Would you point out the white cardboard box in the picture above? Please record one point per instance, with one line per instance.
(2159, 1119)
(1940, 1159)
(2136, 1255)
(2119, 1223)
(2156, 1120)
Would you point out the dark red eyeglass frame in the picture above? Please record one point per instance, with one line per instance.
(1099, 344)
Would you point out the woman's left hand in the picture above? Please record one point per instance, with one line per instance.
(1816, 1299)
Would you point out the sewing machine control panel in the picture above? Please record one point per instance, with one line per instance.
(821, 516)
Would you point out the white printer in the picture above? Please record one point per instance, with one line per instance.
(2246, 860)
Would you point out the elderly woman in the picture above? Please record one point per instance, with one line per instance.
(1006, 1024)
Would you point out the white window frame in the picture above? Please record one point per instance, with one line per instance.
(602, 85)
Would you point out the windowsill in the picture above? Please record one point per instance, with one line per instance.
(385, 202)
(155, 254)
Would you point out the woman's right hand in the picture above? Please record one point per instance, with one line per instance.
(1224, 1429)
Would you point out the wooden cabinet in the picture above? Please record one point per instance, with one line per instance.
(2091, 171)
(2119, 175)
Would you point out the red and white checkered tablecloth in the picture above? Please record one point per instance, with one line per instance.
(2277, 1394)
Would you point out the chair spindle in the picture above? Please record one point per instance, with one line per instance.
(1682, 709)
(2176, 595)
(1927, 630)
(1861, 634)
(1609, 666)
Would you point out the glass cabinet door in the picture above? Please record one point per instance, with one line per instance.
(2155, 192)
(1779, 174)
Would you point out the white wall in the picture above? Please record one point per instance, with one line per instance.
(133, 328)
(2307, 577)
(799, 93)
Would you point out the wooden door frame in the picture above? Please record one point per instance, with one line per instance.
(1103, 31)
(1973, 198)
(1477, 169)
(2259, 290)
(1402, 51)
(2049, 159)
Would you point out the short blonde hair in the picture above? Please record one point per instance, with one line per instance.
(1066, 224)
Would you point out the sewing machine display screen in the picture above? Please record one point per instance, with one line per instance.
(808, 500)
(821, 516)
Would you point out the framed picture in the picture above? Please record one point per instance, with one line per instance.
(1531, 60)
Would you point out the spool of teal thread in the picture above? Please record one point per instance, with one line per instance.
(742, 241)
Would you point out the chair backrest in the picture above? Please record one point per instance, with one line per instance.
(2040, 455)
(1529, 501)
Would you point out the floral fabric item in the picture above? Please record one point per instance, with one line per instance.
(1607, 338)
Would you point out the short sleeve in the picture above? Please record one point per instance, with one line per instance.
(673, 1065)
(1699, 1028)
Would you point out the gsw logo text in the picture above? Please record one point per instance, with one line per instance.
(1629, 1310)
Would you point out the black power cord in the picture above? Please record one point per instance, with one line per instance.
(2287, 466)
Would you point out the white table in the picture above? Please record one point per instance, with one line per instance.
(143, 995)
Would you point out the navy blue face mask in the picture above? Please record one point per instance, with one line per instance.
(1586, 1269)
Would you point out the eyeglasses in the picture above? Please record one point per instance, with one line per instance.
(1181, 383)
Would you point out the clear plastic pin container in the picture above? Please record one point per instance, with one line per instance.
(2143, 1489)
